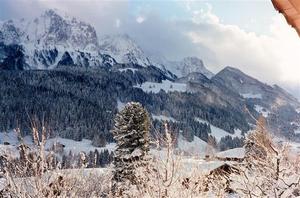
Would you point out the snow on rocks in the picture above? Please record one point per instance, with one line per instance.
(251, 95)
(128, 69)
(263, 111)
(124, 49)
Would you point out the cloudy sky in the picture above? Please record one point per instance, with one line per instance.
(247, 34)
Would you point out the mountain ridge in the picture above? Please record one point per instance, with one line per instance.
(60, 33)
(203, 94)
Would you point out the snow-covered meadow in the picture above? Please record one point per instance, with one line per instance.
(166, 85)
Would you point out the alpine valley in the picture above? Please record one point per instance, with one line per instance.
(55, 68)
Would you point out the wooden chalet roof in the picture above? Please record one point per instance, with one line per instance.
(291, 11)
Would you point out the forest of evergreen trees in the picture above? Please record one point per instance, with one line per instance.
(82, 103)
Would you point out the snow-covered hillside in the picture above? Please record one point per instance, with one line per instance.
(219, 133)
(196, 147)
(165, 85)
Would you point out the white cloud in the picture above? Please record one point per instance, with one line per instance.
(140, 19)
(272, 58)
(200, 16)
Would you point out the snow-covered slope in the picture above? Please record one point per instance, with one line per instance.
(274, 103)
(219, 133)
(196, 147)
(124, 49)
(165, 85)
(249, 87)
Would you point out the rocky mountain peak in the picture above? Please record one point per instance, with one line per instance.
(194, 64)
(187, 66)
(51, 28)
(124, 49)
(46, 39)
(10, 32)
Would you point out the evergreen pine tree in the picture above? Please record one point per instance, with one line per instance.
(131, 132)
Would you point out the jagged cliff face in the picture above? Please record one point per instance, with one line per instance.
(47, 39)
(51, 29)
(187, 66)
(124, 50)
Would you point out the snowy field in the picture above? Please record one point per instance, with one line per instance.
(166, 85)
(70, 145)
(219, 133)
(78, 146)
(86, 173)
(191, 165)
(236, 152)
(194, 148)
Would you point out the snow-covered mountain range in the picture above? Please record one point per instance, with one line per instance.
(51, 29)
(53, 40)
